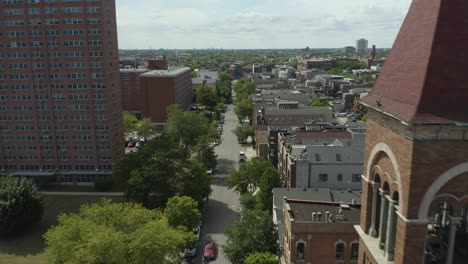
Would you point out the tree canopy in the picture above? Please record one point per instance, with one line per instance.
(111, 233)
(318, 102)
(187, 128)
(207, 96)
(348, 65)
(254, 233)
(249, 175)
(261, 258)
(243, 132)
(129, 122)
(20, 205)
(244, 109)
(182, 211)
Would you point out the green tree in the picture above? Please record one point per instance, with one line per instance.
(193, 180)
(148, 174)
(144, 128)
(254, 233)
(207, 96)
(206, 154)
(243, 132)
(249, 201)
(111, 233)
(270, 179)
(225, 91)
(182, 211)
(249, 175)
(261, 258)
(20, 205)
(244, 109)
(187, 128)
(318, 102)
(129, 122)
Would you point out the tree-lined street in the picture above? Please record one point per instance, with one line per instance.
(223, 205)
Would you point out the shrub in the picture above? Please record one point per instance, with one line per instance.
(20, 205)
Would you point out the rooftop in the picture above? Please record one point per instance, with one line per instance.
(425, 76)
(166, 73)
(317, 211)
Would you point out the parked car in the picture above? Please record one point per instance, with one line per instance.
(192, 251)
(242, 157)
(210, 251)
(131, 144)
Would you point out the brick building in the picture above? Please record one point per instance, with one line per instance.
(132, 100)
(60, 97)
(317, 231)
(415, 182)
(162, 88)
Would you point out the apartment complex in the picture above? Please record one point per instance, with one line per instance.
(162, 88)
(60, 96)
(132, 100)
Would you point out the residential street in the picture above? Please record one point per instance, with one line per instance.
(223, 205)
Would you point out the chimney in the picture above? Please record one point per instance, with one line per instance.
(373, 52)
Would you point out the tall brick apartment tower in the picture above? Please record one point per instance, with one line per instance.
(60, 96)
(415, 182)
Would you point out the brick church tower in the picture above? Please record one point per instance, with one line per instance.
(415, 182)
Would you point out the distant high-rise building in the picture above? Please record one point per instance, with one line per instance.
(361, 45)
(348, 49)
(60, 96)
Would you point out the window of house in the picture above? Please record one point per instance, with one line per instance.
(354, 251)
(340, 246)
(356, 178)
(323, 177)
(339, 177)
(317, 157)
(300, 251)
(338, 157)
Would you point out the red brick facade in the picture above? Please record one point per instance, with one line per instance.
(60, 95)
(415, 185)
(161, 89)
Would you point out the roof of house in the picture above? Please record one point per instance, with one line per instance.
(304, 211)
(425, 78)
(166, 73)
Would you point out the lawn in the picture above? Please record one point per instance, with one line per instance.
(29, 247)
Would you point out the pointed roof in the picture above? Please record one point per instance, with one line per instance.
(425, 77)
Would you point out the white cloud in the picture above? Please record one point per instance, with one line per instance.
(257, 24)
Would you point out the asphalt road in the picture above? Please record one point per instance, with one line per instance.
(223, 205)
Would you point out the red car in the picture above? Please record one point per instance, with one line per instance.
(210, 250)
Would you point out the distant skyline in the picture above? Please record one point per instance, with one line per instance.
(262, 24)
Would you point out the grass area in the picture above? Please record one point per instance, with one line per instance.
(30, 247)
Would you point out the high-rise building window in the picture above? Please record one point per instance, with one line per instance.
(340, 248)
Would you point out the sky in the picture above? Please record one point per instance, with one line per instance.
(257, 24)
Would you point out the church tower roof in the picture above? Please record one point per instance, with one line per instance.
(425, 77)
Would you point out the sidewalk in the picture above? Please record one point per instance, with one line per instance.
(249, 151)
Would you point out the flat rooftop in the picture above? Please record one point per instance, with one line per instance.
(166, 73)
(317, 211)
